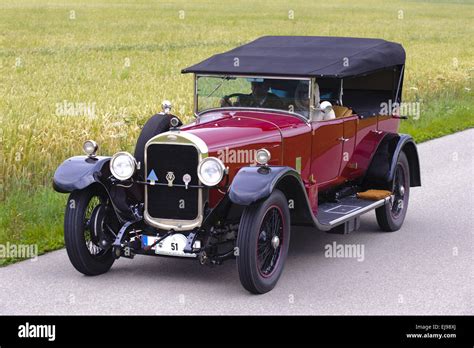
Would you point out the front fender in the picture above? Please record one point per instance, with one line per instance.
(78, 172)
(252, 184)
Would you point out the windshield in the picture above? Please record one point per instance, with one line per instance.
(255, 92)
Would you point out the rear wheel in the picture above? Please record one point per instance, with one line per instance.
(262, 242)
(84, 231)
(390, 217)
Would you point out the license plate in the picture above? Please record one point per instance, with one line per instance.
(172, 245)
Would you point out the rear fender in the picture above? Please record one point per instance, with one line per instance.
(406, 144)
(384, 162)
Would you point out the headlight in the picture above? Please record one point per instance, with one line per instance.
(262, 156)
(211, 171)
(90, 147)
(123, 165)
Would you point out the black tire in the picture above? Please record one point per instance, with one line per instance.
(82, 241)
(253, 243)
(157, 124)
(390, 217)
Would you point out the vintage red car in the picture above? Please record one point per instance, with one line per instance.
(287, 131)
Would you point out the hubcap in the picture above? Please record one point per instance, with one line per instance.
(401, 190)
(275, 242)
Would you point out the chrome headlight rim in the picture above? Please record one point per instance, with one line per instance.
(220, 166)
(133, 163)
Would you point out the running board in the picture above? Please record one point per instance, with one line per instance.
(346, 212)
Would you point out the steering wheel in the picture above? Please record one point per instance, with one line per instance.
(226, 98)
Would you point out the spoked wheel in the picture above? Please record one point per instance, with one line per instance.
(390, 217)
(85, 234)
(269, 241)
(262, 241)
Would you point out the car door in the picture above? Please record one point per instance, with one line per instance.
(349, 141)
(327, 146)
(367, 138)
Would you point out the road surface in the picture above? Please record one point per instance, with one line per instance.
(425, 268)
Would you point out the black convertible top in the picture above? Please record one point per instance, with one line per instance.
(305, 56)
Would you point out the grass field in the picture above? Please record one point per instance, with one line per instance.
(120, 59)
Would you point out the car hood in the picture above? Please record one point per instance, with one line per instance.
(228, 129)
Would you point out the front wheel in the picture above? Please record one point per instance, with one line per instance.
(390, 217)
(262, 243)
(84, 231)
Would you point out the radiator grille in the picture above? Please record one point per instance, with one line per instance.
(164, 202)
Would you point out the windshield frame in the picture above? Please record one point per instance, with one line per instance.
(197, 113)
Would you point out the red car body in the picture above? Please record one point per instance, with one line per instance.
(326, 159)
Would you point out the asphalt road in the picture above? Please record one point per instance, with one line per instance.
(425, 268)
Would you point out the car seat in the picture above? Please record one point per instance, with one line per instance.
(341, 111)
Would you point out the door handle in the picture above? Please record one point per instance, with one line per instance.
(343, 139)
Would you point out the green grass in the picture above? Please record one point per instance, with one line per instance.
(125, 57)
(32, 218)
(440, 117)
